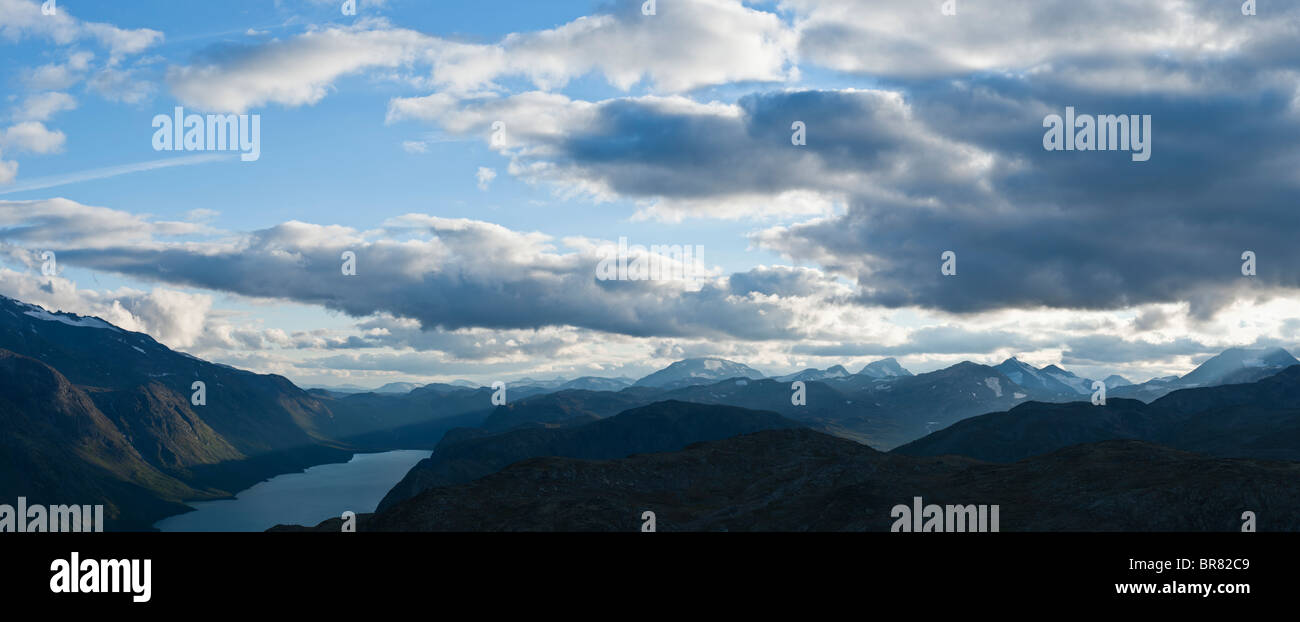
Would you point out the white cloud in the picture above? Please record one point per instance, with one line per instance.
(62, 223)
(33, 137)
(42, 106)
(696, 44)
(295, 72)
(8, 171)
(120, 85)
(23, 18)
(55, 76)
(485, 176)
(1109, 44)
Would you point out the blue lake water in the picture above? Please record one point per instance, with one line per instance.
(306, 498)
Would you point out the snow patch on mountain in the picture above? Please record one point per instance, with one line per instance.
(70, 320)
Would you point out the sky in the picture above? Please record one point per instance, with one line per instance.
(480, 159)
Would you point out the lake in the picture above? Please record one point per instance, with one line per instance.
(306, 498)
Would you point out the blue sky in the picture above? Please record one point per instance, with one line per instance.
(924, 135)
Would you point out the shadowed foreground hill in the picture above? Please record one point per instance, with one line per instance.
(801, 480)
(663, 426)
(67, 452)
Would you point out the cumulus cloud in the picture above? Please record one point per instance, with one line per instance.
(42, 106)
(699, 43)
(176, 318)
(1113, 44)
(447, 273)
(687, 159)
(23, 18)
(62, 223)
(33, 137)
(294, 72)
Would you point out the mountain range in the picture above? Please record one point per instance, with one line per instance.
(1206, 454)
(93, 413)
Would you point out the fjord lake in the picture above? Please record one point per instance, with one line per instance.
(306, 498)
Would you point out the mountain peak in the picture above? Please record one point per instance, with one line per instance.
(1235, 361)
(884, 368)
(701, 370)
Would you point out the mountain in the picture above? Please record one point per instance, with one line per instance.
(882, 414)
(662, 426)
(1049, 383)
(930, 401)
(697, 371)
(1258, 420)
(111, 411)
(562, 406)
(884, 368)
(398, 387)
(802, 480)
(1075, 384)
(595, 383)
(540, 384)
(834, 371)
(58, 448)
(254, 413)
(1238, 365)
(1115, 380)
(1232, 366)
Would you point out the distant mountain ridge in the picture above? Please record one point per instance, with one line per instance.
(1232, 366)
(1256, 420)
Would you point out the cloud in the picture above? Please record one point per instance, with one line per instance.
(33, 137)
(1112, 44)
(444, 273)
(121, 85)
(23, 18)
(485, 176)
(62, 223)
(688, 159)
(178, 319)
(696, 44)
(294, 72)
(8, 171)
(56, 76)
(42, 106)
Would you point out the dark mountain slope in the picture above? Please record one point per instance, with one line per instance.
(58, 448)
(161, 425)
(663, 426)
(138, 394)
(802, 480)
